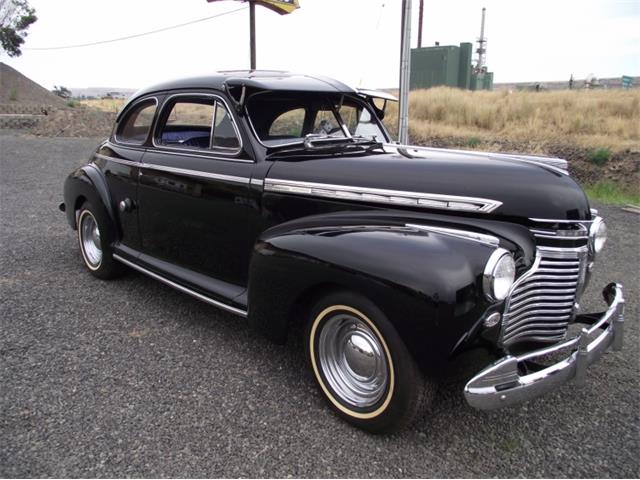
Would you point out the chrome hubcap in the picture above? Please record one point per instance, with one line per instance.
(352, 360)
(90, 239)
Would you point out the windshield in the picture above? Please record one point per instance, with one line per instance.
(287, 117)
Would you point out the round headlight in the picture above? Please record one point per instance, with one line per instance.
(598, 234)
(499, 275)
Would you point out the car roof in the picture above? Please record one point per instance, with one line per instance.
(260, 79)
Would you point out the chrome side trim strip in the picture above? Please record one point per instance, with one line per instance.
(178, 171)
(196, 173)
(204, 153)
(378, 195)
(464, 234)
(181, 288)
(117, 160)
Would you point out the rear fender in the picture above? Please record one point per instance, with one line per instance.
(88, 182)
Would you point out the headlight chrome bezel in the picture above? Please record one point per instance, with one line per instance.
(597, 236)
(496, 259)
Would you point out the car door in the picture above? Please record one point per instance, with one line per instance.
(119, 160)
(193, 194)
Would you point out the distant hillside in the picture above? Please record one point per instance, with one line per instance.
(99, 92)
(615, 82)
(18, 89)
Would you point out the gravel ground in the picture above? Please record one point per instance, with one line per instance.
(130, 378)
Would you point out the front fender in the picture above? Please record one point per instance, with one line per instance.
(428, 284)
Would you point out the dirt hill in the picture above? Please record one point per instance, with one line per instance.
(15, 88)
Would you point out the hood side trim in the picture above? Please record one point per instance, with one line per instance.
(378, 195)
(558, 165)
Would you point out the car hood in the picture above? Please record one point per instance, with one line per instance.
(518, 186)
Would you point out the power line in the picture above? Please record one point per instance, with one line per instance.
(128, 37)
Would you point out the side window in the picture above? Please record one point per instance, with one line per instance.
(360, 122)
(224, 134)
(326, 123)
(193, 122)
(136, 125)
(349, 116)
(188, 123)
(288, 124)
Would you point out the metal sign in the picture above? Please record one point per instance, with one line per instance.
(282, 7)
(627, 82)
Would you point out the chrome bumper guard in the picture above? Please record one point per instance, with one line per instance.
(502, 383)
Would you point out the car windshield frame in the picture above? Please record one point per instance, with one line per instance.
(325, 97)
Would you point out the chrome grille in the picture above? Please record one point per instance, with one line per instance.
(541, 302)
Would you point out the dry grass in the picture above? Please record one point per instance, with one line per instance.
(112, 105)
(590, 119)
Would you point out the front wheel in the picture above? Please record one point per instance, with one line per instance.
(363, 368)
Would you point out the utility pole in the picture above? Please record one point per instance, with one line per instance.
(283, 7)
(252, 33)
(405, 68)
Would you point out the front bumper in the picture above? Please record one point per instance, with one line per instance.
(509, 380)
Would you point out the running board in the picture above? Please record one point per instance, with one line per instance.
(181, 288)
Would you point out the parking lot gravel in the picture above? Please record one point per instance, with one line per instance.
(130, 378)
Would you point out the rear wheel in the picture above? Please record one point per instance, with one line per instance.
(363, 368)
(93, 236)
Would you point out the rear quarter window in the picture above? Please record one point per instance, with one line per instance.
(136, 124)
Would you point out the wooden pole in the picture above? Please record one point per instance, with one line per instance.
(252, 33)
(420, 14)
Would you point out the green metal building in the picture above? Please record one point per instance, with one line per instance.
(446, 65)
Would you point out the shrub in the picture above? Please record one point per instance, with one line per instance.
(600, 156)
(473, 142)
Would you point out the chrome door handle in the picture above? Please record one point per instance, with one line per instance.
(125, 205)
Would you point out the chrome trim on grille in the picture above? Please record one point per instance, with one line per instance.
(378, 195)
(505, 382)
(541, 302)
(464, 234)
(579, 232)
(552, 221)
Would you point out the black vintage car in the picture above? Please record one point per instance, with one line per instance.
(281, 198)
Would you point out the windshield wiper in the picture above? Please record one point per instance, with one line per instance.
(319, 143)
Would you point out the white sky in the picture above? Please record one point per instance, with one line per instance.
(356, 41)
